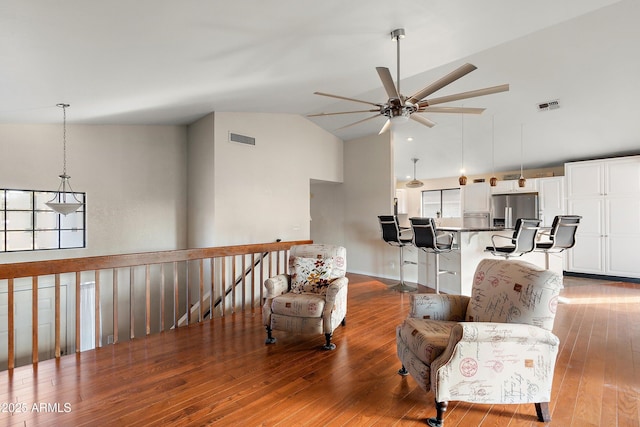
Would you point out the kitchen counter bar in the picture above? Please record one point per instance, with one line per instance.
(469, 250)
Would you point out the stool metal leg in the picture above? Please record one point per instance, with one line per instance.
(402, 287)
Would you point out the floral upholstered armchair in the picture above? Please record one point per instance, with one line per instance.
(312, 298)
(493, 347)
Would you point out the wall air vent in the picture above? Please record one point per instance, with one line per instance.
(241, 139)
(549, 105)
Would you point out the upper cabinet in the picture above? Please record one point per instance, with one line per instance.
(511, 186)
(476, 197)
(598, 178)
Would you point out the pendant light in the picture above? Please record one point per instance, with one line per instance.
(414, 183)
(493, 181)
(462, 180)
(521, 180)
(60, 203)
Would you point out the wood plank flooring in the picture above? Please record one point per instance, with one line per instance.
(222, 373)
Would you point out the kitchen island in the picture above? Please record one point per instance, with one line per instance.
(468, 251)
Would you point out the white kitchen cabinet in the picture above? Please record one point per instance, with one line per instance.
(550, 198)
(401, 200)
(511, 186)
(476, 197)
(606, 193)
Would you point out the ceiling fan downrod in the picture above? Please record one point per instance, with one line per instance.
(396, 35)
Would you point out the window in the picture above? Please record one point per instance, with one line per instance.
(27, 224)
(441, 203)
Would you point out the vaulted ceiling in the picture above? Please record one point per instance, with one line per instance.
(170, 62)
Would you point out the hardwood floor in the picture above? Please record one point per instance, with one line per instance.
(222, 373)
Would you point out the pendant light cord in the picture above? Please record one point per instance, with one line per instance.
(64, 137)
(493, 146)
(521, 149)
(462, 145)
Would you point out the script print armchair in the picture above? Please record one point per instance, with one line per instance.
(312, 298)
(494, 347)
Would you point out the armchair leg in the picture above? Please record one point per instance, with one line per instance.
(344, 321)
(270, 339)
(438, 421)
(403, 371)
(329, 345)
(542, 410)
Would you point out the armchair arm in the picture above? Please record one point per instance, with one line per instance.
(333, 290)
(335, 308)
(438, 306)
(496, 333)
(510, 362)
(276, 285)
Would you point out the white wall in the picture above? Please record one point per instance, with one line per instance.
(200, 181)
(327, 213)
(134, 177)
(261, 192)
(368, 192)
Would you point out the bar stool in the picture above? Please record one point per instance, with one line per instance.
(562, 236)
(427, 238)
(522, 241)
(392, 234)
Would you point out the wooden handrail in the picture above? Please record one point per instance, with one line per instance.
(57, 266)
(98, 264)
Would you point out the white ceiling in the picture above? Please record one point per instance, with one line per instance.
(170, 62)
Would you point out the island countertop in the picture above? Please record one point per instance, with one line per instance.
(472, 229)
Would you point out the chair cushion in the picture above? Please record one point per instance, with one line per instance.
(338, 253)
(426, 339)
(311, 275)
(298, 305)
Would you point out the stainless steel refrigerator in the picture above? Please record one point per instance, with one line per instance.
(507, 208)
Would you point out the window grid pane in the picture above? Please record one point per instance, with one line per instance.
(441, 203)
(27, 223)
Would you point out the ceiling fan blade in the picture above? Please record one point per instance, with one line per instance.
(387, 82)
(347, 99)
(359, 121)
(464, 110)
(386, 127)
(422, 120)
(341, 112)
(439, 84)
(465, 95)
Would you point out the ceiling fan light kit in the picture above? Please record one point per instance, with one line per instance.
(398, 108)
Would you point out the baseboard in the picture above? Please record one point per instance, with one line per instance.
(602, 277)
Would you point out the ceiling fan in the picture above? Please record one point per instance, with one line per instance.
(399, 108)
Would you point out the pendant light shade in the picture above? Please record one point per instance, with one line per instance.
(64, 202)
(414, 183)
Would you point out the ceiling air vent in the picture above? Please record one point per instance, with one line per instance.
(241, 139)
(549, 105)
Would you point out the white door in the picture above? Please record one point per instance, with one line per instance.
(622, 231)
(22, 323)
(585, 179)
(551, 198)
(623, 177)
(587, 255)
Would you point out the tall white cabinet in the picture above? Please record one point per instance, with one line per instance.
(550, 199)
(606, 193)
